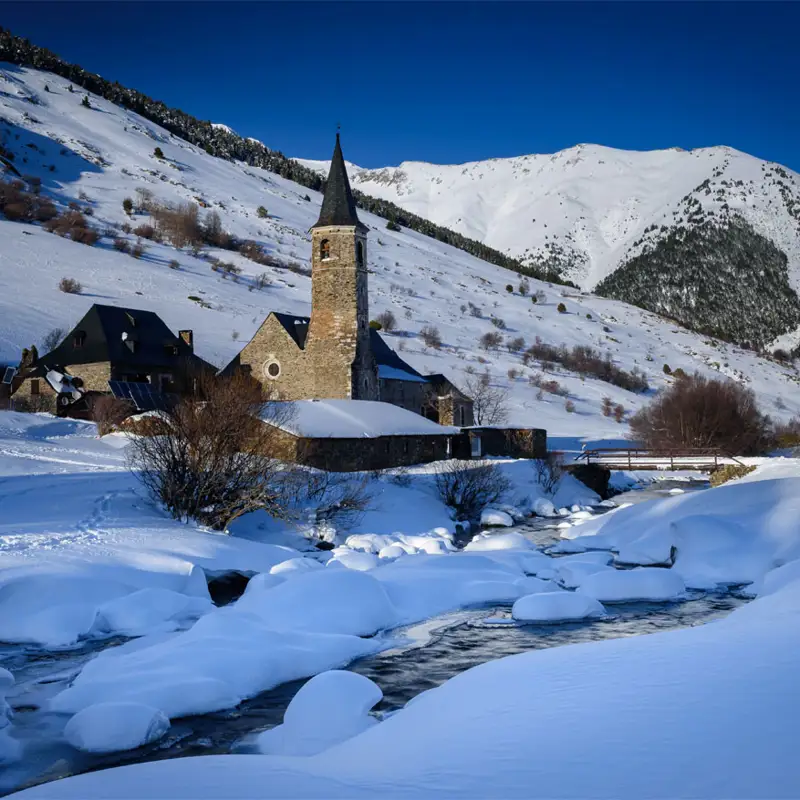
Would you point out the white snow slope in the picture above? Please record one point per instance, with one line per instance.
(590, 202)
(100, 156)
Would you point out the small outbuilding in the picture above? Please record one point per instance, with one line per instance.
(356, 435)
(503, 441)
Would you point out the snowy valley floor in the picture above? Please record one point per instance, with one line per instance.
(706, 711)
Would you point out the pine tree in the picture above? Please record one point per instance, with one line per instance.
(85, 102)
(158, 153)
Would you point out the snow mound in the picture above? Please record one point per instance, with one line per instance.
(642, 583)
(495, 518)
(325, 601)
(10, 749)
(499, 541)
(331, 708)
(111, 727)
(354, 559)
(149, 609)
(556, 607)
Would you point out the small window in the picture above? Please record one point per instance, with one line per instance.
(35, 388)
(79, 340)
(325, 249)
(360, 254)
(272, 369)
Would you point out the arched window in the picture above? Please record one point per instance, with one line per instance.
(324, 249)
(360, 254)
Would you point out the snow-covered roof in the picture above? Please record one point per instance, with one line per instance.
(396, 374)
(352, 419)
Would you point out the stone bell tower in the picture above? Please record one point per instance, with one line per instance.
(338, 343)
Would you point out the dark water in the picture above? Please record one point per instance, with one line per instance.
(425, 656)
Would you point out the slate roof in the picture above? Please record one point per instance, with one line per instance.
(103, 328)
(338, 205)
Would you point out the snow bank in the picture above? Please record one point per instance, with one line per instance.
(556, 607)
(331, 708)
(499, 541)
(227, 656)
(642, 583)
(110, 727)
(148, 610)
(10, 749)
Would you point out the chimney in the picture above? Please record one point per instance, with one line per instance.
(188, 339)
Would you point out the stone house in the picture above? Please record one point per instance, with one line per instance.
(503, 441)
(354, 435)
(334, 353)
(445, 403)
(108, 344)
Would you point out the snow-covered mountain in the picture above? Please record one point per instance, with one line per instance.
(589, 211)
(588, 207)
(96, 157)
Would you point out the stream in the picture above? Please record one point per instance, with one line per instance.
(422, 657)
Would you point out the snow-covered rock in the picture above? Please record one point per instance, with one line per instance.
(110, 727)
(495, 518)
(499, 541)
(331, 708)
(148, 609)
(556, 607)
(642, 583)
(354, 559)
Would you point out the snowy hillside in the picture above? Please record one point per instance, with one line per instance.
(96, 157)
(589, 206)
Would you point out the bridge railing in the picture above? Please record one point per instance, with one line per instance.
(657, 458)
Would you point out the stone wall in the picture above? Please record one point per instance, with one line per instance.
(513, 442)
(406, 394)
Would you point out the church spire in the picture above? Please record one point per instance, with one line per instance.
(338, 205)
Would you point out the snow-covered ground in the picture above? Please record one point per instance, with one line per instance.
(648, 716)
(102, 155)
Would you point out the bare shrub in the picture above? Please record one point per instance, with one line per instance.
(499, 323)
(122, 245)
(108, 412)
(728, 473)
(33, 404)
(137, 251)
(549, 471)
(70, 286)
(261, 281)
(145, 231)
(179, 225)
(468, 486)
(72, 224)
(585, 361)
(513, 373)
(328, 498)
(701, 412)
(52, 339)
(491, 340)
(569, 407)
(174, 264)
(516, 344)
(619, 412)
(144, 198)
(387, 320)
(474, 311)
(607, 407)
(431, 337)
(214, 233)
(490, 402)
(786, 435)
(217, 460)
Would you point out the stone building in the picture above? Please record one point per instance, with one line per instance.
(109, 343)
(335, 353)
(356, 435)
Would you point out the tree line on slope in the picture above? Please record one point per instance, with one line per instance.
(222, 143)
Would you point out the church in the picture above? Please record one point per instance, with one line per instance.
(335, 354)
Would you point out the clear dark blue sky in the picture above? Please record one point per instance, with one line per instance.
(455, 81)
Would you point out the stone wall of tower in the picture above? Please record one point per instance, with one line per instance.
(338, 345)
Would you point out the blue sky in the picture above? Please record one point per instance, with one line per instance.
(454, 81)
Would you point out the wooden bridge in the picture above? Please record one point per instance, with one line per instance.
(701, 459)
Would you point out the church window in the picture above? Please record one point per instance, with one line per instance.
(35, 389)
(79, 339)
(272, 369)
(325, 249)
(360, 254)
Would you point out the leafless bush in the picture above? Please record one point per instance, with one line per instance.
(787, 434)
(513, 374)
(468, 486)
(619, 412)
(499, 323)
(387, 320)
(21, 206)
(144, 199)
(145, 231)
(52, 339)
(549, 386)
(330, 497)
(122, 245)
(33, 404)
(549, 471)
(108, 412)
(70, 286)
(607, 407)
(218, 460)
(696, 411)
(490, 402)
(431, 337)
(179, 225)
(569, 407)
(137, 251)
(586, 360)
(213, 232)
(261, 281)
(491, 340)
(516, 344)
(474, 311)
(174, 264)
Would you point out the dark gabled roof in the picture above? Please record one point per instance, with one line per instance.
(386, 357)
(338, 205)
(296, 327)
(102, 329)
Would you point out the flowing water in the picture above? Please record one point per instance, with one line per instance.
(422, 657)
